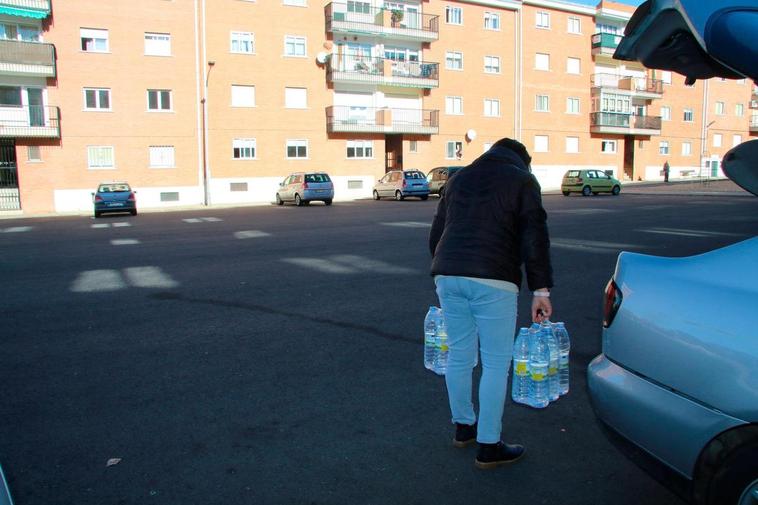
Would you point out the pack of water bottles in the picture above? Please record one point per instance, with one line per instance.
(541, 364)
(435, 341)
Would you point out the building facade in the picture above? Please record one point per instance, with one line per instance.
(215, 102)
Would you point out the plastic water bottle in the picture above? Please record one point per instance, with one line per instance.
(539, 361)
(564, 347)
(520, 384)
(441, 352)
(430, 335)
(554, 387)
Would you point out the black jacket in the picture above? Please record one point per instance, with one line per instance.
(490, 221)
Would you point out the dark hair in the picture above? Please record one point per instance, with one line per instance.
(517, 147)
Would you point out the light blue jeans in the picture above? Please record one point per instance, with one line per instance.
(474, 309)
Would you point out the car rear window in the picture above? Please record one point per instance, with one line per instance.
(414, 175)
(317, 178)
(572, 173)
(113, 188)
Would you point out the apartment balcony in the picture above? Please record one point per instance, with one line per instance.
(31, 121)
(642, 87)
(624, 124)
(407, 74)
(353, 119)
(27, 58)
(754, 124)
(754, 99)
(605, 44)
(343, 18)
(35, 9)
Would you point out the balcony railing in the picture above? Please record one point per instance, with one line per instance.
(392, 23)
(27, 58)
(411, 74)
(613, 122)
(638, 85)
(34, 5)
(38, 121)
(354, 119)
(605, 43)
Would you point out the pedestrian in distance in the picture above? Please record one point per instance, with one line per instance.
(488, 223)
(666, 170)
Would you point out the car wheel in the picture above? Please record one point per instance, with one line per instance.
(279, 200)
(566, 193)
(616, 190)
(298, 200)
(327, 202)
(133, 212)
(399, 195)
(376, 195)
(424, 197)
(736, 482)
(586, 191)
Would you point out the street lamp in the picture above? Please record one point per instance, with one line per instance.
(204, 107)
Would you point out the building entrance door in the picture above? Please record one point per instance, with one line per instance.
(393, 152)
(9, 197)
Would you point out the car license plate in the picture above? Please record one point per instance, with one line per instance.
(115, 204)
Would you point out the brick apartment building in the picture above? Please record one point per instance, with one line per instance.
(215, 101)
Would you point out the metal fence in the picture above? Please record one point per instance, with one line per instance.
(383, 70)
(357, 17)
(381, 120)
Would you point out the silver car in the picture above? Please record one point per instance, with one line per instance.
(303, 188)
(401, 183)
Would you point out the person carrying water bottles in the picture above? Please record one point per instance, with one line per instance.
(488, 223)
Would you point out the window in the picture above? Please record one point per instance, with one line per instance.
(97, 99)
(159, 99)
(10, 96)
(100, 157)
(542, 61)
(666, 113)
(294, 46)
(453, 150)
(663, 147)
(688, 115)
(739, 110)
(242, 42)
(491, 21)
(572, 106)
(608, 146)
(573, 66)
(720, 108)
(157, 44)
(542, 103)
(453, 105)
(162, 157)
(574, 25)
(34, 153)
(295, 3)
(360, 149)
(454, 60)
(94, 40)
(572, 144)
(716, 140)
(413, 146)
(359, 7)
(243, 96)
(295, 98)
(736, 140)
(666, 77)
(491, 107)
(243, 149)
(297, 149)
(453, 15)
(543, 19)
(686, 148)
(541, 143)
(492, 64)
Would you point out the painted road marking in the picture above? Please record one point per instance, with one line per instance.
(408, 224)
(202, 219)
(590, 245)
(94, 281)
(250, 234)
(348, 264)
(17, 229)
(125, 241)
(689, 233)
(149, 277)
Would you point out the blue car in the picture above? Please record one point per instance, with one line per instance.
(113, 197)
(399, 184)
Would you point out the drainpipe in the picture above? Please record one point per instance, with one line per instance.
(200, 111)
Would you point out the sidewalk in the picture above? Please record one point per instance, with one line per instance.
(680, 187)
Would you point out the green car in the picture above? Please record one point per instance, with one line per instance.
(589, 182)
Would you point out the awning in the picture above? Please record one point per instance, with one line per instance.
(27, 13)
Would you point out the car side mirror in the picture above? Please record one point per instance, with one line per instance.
(741, 165)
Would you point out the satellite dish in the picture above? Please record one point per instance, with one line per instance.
(321, 57)
(471, 134)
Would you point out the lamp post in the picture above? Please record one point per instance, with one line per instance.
(206, 169)
(703, 148)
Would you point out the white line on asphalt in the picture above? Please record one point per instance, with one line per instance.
(348, 264)
(124, 241)
(121, 225)
(590, 245)
(101, 225)
(93, 281)
(322, 265)
(689, 233)
(408, 224)
(17, 229)
(192, 220)
(250, 234)
(149, 277)
(211, 219)
(581, 211)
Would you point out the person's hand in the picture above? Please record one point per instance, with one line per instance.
(541, 308)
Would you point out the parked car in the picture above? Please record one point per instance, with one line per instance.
(402, 183)
(437, 178)
(589, 182)
(304, 188)
(114, 197)
(678, 373)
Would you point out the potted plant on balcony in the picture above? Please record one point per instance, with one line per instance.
(397, 16)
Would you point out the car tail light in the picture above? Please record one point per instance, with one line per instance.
(305, 185)
(132, 198)
(579, 180)
(613, 299)
(405, 183)
(98, 198)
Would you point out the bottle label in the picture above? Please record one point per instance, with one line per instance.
(522, 369)
(443, 348)
(539, 377)
(552, 371)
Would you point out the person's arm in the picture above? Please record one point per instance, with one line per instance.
(535, 249)
(438, 225)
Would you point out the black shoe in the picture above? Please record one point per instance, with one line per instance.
(492, 455)
(465, 434)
